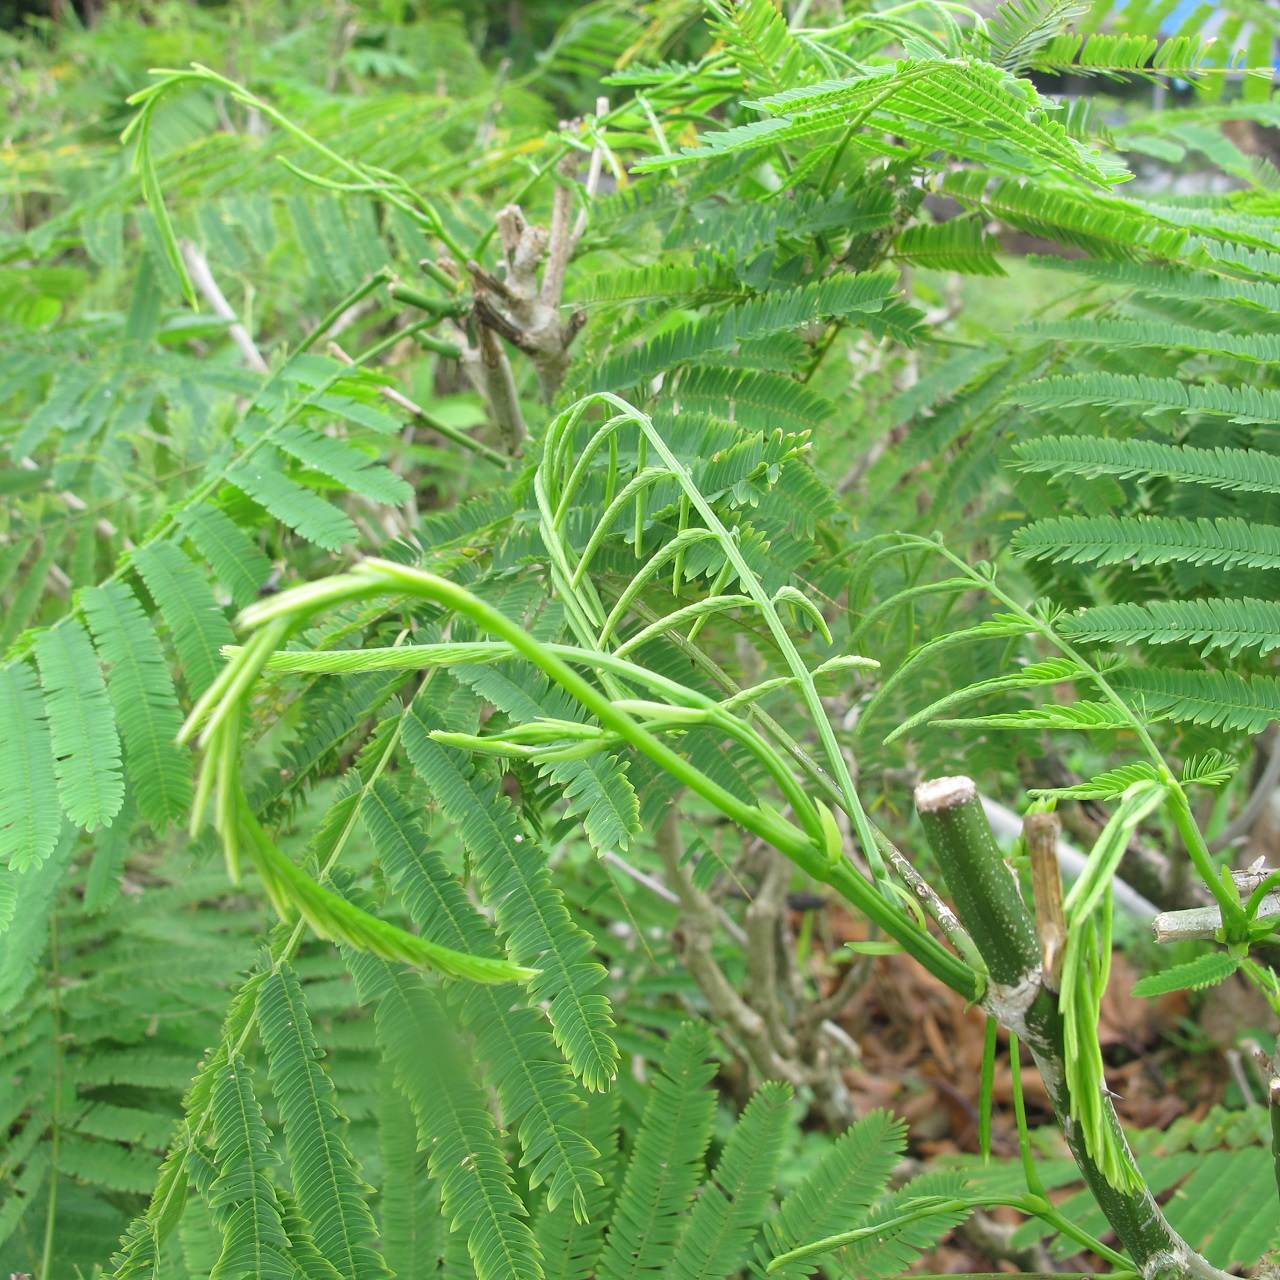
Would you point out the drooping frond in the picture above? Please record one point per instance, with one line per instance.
(666, 1162)
(29, 813)
(241, 1194)
(514, 1042)
(1233, 625)
(837, 1194)
(1242, 470)
(86, 745)
(570, 1246)
(456, 1127)
(513, 873)
(144, 700)
(198, 626)
(732, 1203)
(325, 1174)
(412, 1227)
(1232, 543)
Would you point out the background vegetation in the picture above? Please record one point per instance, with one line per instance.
(924, 335)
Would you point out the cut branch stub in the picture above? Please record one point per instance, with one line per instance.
(978, 878)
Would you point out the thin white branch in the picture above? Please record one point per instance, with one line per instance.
(202, 278)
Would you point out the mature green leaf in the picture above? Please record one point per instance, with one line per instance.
(325, 1173)
(29, 814)
(144, 700)
(198, 626)
(86, 746)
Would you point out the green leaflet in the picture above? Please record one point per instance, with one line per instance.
(1204, 971)
(1242, 470)
(240, 566)
(1230, 542)
(596, 787)
(342, 462)
(513, 875)
(29, 816)
(86, 746)
(262, 477)
(769, 313)
(666, 1165)
(1262, 347)
(733, 1201)
(410, 1219)
(1233, 625)
(514, 1042)
(570, 1247)
(198, 626)
(962, 244)
(759, 401)
(325, 1175)
(144, 701)
(1220, 699)
(241, 1195)
(456, 1128)
(836, 1195)
(1151, 395)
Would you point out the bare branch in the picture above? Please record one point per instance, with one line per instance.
(202, 278)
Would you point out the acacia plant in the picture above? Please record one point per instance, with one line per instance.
(653, 636)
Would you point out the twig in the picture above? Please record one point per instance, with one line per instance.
(202, 278)
(698, 920)
(594, 168)
(1041, 833)
(1008, 826)
(425, 419)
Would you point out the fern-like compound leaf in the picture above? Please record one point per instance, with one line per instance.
(1230, 542)
(836, 1195)
(29, 814)
(241, 567)
(514, 1042)
(732, 1204)
(262, 477)
(1146, 394)
(1219, 699)
(513, 875)
(456, 1127)
(86, 745)
(144, 700)
(1241, 470)
(325, 1173)
(666, 1162)
(198, 626)
(596, 787)
(1233, 625)
(1110, 785)
(1079, 715)
(412, 1227)
(242, 1196)
(343, 462)
(1204, 971)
